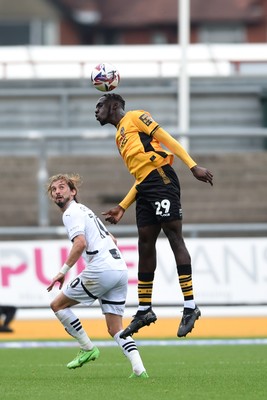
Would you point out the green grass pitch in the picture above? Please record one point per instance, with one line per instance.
(223, 372)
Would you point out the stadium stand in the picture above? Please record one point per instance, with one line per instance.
(237, 195)
(57, 117)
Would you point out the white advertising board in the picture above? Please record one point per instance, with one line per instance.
(225, 271)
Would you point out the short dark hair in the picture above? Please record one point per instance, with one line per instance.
(115, 97)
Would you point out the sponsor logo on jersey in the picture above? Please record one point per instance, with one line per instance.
(146, 119)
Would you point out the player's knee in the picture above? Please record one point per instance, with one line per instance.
(114, 328)
(174, 237)
(54, 306)
(111, 331)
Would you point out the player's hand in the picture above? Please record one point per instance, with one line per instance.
(58, 278)
(114, 214)
(202, 174)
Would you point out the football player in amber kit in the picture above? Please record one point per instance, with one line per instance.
(157, 194)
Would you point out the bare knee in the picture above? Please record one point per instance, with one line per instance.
(54, 306)
(174, 238)
(61, 302)
(111, 331)
(114, 324)
(114, 328)
(147, 237)
(173, 232)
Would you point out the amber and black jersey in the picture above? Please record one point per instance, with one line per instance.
(139, 140)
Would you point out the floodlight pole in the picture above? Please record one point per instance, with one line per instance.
(183, 79)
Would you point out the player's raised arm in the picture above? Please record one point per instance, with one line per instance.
(174, 146)
(200, 173)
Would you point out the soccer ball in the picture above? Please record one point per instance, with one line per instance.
(105, 77)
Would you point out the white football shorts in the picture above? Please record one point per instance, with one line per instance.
(108, 287)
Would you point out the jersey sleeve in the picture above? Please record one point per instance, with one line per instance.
(129, 198)
(174, 146)
(74, 223)
(144, 122)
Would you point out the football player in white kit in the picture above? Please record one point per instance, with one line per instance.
(104, 278)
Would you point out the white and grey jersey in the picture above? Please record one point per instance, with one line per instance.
(101, 253)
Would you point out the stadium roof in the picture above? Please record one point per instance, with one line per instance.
(139, 12)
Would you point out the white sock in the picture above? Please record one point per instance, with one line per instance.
(130, 350)
(190, 304)
(143, 308)
(74, 327)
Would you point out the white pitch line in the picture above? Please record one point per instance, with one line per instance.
(111, 343)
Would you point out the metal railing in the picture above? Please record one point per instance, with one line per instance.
(189, 230)
(42, 150)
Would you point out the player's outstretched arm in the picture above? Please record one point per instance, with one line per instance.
(78, 246)
(114, 215)
(202, 174)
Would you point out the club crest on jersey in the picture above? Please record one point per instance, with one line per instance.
(146, 119)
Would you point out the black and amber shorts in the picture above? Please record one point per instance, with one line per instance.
(158, 197)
